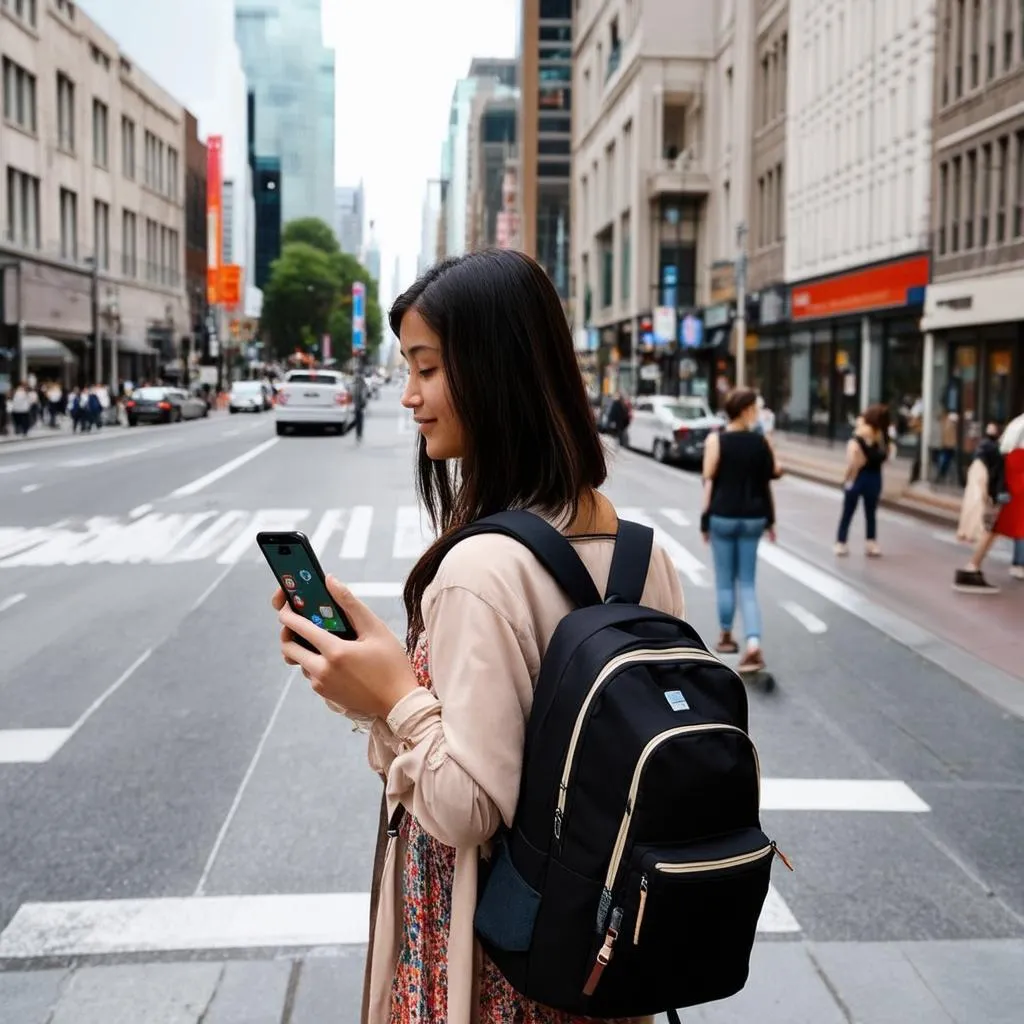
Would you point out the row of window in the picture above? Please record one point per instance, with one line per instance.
(24, 10)
(976, 208)
(771, 103)
(160, 168)
(770, 216)
(162, 264)
(981, 40)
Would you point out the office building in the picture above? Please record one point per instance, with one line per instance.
(349, 208)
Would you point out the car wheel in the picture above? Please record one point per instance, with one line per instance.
(233, 410)
(281, 428)
(660, 451)
(132, 421)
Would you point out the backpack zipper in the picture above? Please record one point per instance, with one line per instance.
(620, 841)
(630, 657)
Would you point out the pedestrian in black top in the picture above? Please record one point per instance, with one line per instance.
(739, 466)
(866, 453)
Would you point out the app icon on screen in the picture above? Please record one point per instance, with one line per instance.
(327, 611)
(316, 620)
(289, 582)
(298, 602)
(306, 575)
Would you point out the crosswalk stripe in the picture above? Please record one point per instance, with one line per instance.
(208, 542)
(329, 522)
(273, 519)
(357, 534)
(676, 516)
(412, 533)
(686, 562)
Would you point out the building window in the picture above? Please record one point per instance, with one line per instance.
(769, 188)
(19, 96)
(172, 172)
(762, 206)
(607, 274)
(765, 90)
(961, 15)
(947, 29)
(174, 243)
(992, 38)
(101, 233)
(129, 244)
(68, 225)
(954, 242)
(1008, 35)
(943, 206)
(972, 198)
(65, 113)
(23, 9)
(22, 209)
(780, 204)
(152, 250)
(100, 134)
(1018, 203)
(1003, 170)
(975, 43)
(783, 70)
(128, 148)
(149, 156)
(986, 191)
(626, 258)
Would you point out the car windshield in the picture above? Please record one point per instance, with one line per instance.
(247, 385)
(313, 378)
(150, 394)
(686, 411)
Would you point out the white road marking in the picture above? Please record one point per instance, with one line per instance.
(364, 590)
(97, 460)
(29, 488)
(207, 543)
(139, 511)
(10, 602)
(211, 588)
(674, 515)
(329, 522)
(686, 562)
(274, 519)
(231, 433)
(870, 795)
(233, 809)
(30, 746)
(17, 467)
(110, 691)
(357, 533)
(222, 471)
(806, 619)
(412, 532)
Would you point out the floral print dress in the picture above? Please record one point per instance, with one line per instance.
(419, 994)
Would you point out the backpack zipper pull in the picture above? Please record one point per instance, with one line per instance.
(640, 911)
(604, 954)
(778, 853)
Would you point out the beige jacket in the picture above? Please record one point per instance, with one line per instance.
(453, 758)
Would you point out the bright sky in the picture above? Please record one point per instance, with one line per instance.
(397, 64)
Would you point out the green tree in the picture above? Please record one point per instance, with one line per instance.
(312, 231)
(299, 297)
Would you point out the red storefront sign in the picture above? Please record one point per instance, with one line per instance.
(861, 291)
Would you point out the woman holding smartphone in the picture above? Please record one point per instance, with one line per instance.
(504, 423)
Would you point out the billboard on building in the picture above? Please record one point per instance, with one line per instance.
(230, 285)
(214, 217)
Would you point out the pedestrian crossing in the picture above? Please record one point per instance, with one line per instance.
(148, 536)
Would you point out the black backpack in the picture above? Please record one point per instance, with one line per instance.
(634, 874)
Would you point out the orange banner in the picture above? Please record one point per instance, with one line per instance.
(860, 291)
(214, 218)
(231, 285)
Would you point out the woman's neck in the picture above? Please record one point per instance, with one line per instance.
(736, 425)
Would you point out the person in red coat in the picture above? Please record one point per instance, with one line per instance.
(1006, 516)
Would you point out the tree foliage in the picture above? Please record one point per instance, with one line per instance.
(309, 293)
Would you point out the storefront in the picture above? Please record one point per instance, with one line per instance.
(767, 357)
(854, 340)
(974, 342)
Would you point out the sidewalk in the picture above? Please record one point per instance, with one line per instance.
(915, 575)
(963, 982)
(826, 464)
(42, 431)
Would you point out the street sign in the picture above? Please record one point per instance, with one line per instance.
(358, 317)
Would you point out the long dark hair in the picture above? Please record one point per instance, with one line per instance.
(516, 387)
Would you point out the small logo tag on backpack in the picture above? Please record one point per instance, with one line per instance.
(676, 701)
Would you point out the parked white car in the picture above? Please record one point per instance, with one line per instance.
(672, 429)
(314, 398)
(248, 396)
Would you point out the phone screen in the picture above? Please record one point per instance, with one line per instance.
(299, 576)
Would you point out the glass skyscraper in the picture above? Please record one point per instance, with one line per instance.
(291, 72)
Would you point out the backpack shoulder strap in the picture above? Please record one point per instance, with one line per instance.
(630, 563)
(547, 545)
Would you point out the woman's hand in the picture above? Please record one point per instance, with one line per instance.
(771, 534)
(365, 676)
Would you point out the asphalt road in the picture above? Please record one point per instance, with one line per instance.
(156, 754)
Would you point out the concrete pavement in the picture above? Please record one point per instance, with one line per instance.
(163, 777)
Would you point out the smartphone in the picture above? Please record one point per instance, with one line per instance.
(298, 572)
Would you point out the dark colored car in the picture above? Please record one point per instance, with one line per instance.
(164, 405)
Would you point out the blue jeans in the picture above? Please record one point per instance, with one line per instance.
(734, 549)
(867, 485)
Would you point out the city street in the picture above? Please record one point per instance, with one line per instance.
(186, 831)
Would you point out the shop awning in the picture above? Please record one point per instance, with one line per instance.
(40, 349)
(136, 346)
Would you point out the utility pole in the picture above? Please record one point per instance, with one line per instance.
(741, 304)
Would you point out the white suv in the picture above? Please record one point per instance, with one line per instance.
(316, 398)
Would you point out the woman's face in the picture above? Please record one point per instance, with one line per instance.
(426, 392)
